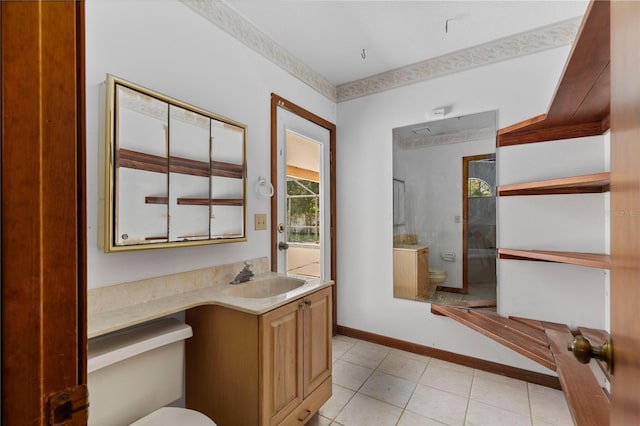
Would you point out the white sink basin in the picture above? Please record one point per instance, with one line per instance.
(263, 288)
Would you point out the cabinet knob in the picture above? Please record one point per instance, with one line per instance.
(307, 302)
(583, 351)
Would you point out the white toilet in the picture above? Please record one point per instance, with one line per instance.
(436, 278)
(135, 372)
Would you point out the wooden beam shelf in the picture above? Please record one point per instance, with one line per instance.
(587, 401)
(158, 164)
(197, 201)
(580, 105)
(212, 201)
(585, 184)
(546, 344)
(592, 260)
(156, 200)
(502, 334)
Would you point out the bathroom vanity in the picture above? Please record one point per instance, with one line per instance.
(411, 271)
(267, 369)
(261, 350)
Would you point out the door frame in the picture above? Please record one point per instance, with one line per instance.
(43, 208)
(280, 102)
(465, 215)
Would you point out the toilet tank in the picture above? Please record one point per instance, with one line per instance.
(135, 371)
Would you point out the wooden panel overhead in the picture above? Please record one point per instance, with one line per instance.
(580, 106)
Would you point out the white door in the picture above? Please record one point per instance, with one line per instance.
(303, 235)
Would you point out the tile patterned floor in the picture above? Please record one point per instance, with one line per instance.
(374, 385)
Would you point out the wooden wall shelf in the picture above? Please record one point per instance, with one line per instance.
(158, 164)
(580, 106)
(585, 184)
(592, 260)
(197, 201)
(212, 201)
(546, 344)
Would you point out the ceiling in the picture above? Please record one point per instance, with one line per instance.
(329, 36)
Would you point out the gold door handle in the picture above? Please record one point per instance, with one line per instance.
(583, 351)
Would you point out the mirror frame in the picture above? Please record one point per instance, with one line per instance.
(107, 237)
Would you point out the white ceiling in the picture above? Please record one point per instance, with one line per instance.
(329, 36)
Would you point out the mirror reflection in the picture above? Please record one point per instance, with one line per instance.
(444, 210)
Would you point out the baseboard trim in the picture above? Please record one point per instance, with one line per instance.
(480, 364)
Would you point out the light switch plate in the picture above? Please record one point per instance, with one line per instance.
(260, 221)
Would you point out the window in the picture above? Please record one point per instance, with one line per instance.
(479, 188)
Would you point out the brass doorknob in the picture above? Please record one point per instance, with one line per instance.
(583, 351)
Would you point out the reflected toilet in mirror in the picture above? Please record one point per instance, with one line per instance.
(444, 215)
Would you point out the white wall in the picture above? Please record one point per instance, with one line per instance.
(567, 294)
(518, 89)
(167, 47)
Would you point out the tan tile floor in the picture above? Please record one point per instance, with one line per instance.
(374, 385)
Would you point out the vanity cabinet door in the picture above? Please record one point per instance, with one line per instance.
(317, 339)
(282, 364)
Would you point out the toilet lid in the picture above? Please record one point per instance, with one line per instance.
(172, 416)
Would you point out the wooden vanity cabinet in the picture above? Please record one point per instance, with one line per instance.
(270, 369)
(411, 272)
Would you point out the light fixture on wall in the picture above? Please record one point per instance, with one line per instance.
(263, 188)
(440, 112)
(421, 130)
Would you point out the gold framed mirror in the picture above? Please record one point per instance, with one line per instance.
(175, 174)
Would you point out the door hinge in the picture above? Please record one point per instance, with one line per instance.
(69, 407)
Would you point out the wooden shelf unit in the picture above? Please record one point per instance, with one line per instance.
(592, 260)
(580, 105)
(546, 344)
(197, 201)
(159, 164)
(584, 184)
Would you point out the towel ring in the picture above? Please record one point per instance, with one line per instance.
(264, 188)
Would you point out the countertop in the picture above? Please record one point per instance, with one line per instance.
(133, 306)
(414, 247)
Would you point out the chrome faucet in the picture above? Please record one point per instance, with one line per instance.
(245, 275)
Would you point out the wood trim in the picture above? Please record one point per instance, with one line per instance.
(522, 124)
(300, 173)
(158, 164)
(591, 260)
(210, 201)
(587, 401)
(503, 335)
(554, 133)
(593, 183)
(230, 170)
(81, 164)
(479, 364)
(280, 102)
(156, 200)
(141, 161)
(531, 333)
(43, 264)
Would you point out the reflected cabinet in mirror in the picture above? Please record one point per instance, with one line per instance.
(444, 218)
(175, 174)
